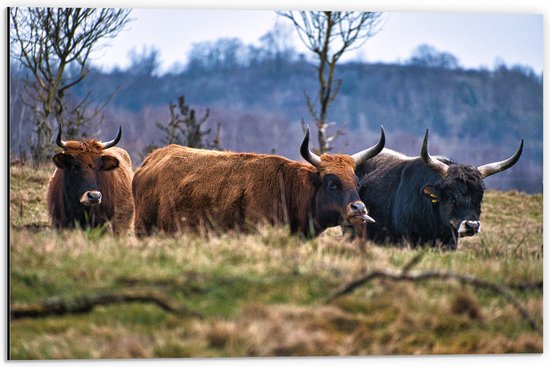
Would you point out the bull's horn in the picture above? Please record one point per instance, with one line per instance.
(363, 155)
(112, 143)
(307, 154)
(59, 142)
(433, 163)
(496, 167)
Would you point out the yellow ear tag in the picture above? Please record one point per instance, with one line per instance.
(434, 198)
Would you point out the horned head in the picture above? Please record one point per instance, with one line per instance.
(358, 157)
(104, 145)
(486, 170)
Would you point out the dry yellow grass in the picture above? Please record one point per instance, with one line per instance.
(261, 294)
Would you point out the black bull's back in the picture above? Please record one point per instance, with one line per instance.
(424, 199)
(391, 187)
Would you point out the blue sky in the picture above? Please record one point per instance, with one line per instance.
(477, 39)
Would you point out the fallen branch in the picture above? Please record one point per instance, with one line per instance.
(85, 304)
(430, 275)
(527, 286)
(415, 260)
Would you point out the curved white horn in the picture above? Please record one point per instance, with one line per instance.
(307, 154)
(363, 155)
(59, 142)
(495, 167)
(112, 143)
(431, 162)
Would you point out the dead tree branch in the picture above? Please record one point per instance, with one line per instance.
(185, 128)
(406, 275)
(328, 35)
(85, 304)
(527, 286)
(54, 45)
(415, 260)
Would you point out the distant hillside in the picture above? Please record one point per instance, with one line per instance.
(474, 116)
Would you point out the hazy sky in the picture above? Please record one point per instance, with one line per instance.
(477, 39)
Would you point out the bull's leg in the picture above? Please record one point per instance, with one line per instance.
(360, 230)
(141, 228)
(356, 233)
(348, 231)
(123, 219)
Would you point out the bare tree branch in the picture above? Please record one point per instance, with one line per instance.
(406, 275)
(310, 106)
(329, 35)
(185, 129)
(50, 41)
(87, 303)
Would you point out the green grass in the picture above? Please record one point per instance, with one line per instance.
(261, 294)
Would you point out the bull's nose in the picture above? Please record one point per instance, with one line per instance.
(357, 212)
(473, 224)
(468, 228)
(93, 195)
(358, 206)
(91, 198)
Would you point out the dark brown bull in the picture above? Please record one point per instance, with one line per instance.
(91, 185)
(179, 188)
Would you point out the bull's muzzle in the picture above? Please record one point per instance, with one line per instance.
(468, 228)
(91, 198)
(357, 213)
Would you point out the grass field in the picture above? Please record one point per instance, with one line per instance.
(263, 294)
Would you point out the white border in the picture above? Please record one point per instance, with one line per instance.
(487, 6)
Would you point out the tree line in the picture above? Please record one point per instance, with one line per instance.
(255, 98)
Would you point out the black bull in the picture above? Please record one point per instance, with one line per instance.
(423, 199)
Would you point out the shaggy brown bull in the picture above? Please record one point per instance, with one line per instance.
(179, 188)
(91, 185)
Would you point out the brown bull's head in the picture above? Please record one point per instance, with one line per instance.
(337, 200)
(82, 163)
(457, 195)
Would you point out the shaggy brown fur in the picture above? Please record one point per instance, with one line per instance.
(179, 188)
(84, 163)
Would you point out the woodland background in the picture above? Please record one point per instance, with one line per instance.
(256, 94)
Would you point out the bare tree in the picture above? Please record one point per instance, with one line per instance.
(185, 129)
(54, 46)
(329, 34)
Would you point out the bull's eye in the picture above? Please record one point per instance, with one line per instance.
(332, 186)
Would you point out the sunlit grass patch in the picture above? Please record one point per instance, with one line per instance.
(263, 293)
(28, 187)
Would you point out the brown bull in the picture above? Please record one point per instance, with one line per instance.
(91, 185)
(179, 188)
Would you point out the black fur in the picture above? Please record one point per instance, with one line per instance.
(411, 202)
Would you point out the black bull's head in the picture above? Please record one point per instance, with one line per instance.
(457, 196)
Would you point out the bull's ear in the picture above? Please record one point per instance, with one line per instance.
(108, 162)
(430, 192)
(316, 179)
(62, 160)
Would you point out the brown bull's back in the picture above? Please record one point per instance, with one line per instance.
(119, 184)
(179, 188)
